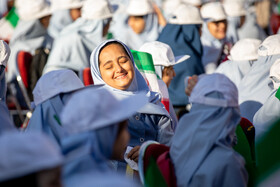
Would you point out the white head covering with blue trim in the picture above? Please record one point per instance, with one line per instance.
(85, 33)
(26, 153)
(6, 122)
(55, 82)
(242, 57)
(201, 148)
(93, 133)
(256, 86)
(138, 84)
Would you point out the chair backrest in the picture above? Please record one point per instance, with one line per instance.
(24, 60)
(274, 23)
(86, 77)
(249, 130)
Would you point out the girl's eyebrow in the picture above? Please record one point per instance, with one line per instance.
(121, 57)
(108, 62)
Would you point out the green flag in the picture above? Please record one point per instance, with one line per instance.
(153, 176)
(268, 154)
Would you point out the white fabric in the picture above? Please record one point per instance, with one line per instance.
(97, 9)
(270, 46)
(202, 146)
(59, 20)
(234, 8)
(162, 54)
(26, 153)
(256, 86)
(213, 11)
(3, 7)
(28, 36)
(185, 14)
(193, 2)
(55, 82)
(265, 117)
(66, 4)
(275, 74)
(168, 6)
(235, 70)
(250, 28)
(4, 53)
(139, 8)
(245, 49)
(103, 108)
(32, 9)
(215, 82)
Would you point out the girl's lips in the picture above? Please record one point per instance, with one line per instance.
(121, 76)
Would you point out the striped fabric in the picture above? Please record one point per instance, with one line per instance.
(8, 24)
(144, 63)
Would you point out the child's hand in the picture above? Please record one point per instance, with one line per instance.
(191, 84)
(134, 154)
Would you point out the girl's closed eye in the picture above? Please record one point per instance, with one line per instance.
(123, 60)
(108, 65)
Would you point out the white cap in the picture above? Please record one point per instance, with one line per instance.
(213, 11)
(98, 108)
(67, 4)
(26, 153)
(169, 5)
(234, 8)
(185, 14)
(162, 54)
(245, 49)
(275, 74)
(32, 9)
(4, 53)
(55, 82)
(193, 2)
(97, 9)
(215, 82)
(139, 7)
(270, 46)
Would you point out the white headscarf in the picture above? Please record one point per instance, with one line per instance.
(212, 47)
(18, 159)
(93, 133)
(242, 57)
(138, 84)
(85, 33)
(6, 123)
(202, 145)
(266, 115)
(28, 36)
(123, 32)
(54, 83)
(256, 86)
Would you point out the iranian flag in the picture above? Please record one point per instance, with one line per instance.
(144, 63)
(8, 24)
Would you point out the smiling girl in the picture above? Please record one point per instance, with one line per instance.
(112, 66)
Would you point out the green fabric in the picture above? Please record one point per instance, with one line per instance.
(268, 152)
(57, 119)
(153, 176)
(278, 93)
(109, 35)
(143, 61)
(243, 148)
(12, 17)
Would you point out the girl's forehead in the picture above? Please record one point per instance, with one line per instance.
(113, 48)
